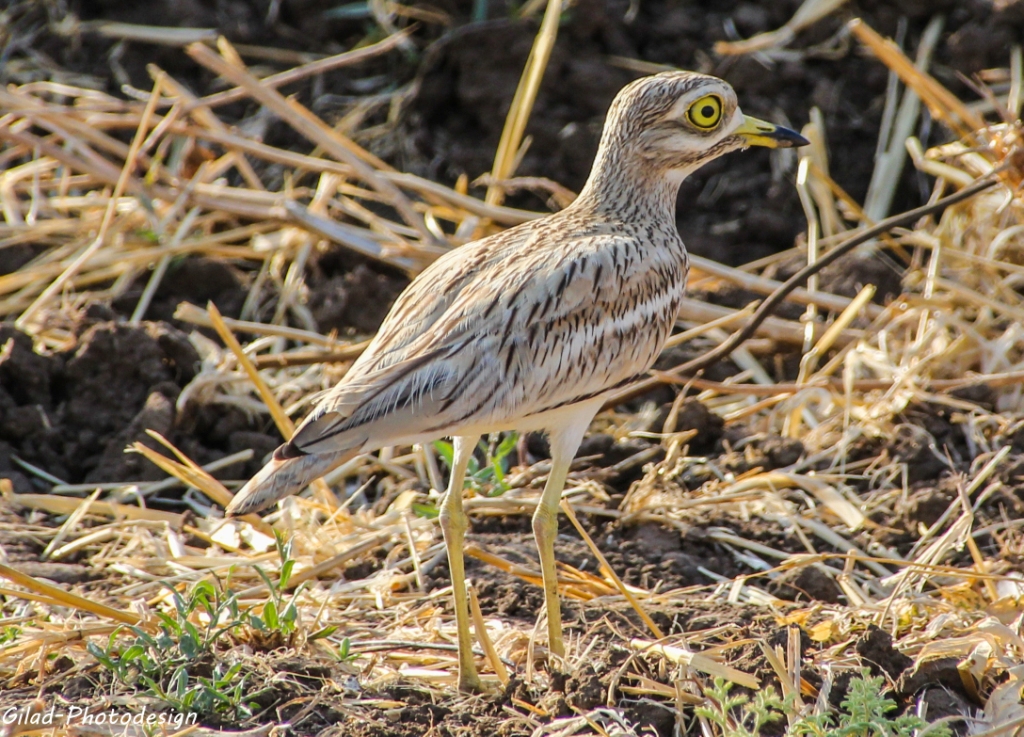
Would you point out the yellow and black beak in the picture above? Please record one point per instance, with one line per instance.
(759, 133)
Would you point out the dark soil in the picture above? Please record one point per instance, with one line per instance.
(72, 414)
(197, 280)
(349, 293)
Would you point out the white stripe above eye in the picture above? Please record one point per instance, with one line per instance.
(678, 110)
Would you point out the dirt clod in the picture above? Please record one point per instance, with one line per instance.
(926, 506)
(24, 374)
(806, 583)
(197, 280)
(359, 299)
(74, 414)
(939, 672)
(915, 447)
(782, 452)
(876, 649)
(849, 275)
(693, 415)
(584, 689)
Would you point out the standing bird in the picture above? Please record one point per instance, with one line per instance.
(532, 328)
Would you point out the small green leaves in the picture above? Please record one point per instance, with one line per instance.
(487, 478)
(866, 712)
(163, 662)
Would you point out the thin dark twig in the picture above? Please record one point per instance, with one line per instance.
(776, 297)
(768, 306)
(377, 646)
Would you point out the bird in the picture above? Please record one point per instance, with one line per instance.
(530, 329)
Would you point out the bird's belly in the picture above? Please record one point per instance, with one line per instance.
(537, 422)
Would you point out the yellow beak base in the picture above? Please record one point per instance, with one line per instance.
(761, 133)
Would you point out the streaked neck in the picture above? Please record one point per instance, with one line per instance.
(623, 186)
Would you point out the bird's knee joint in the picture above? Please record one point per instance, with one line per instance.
(453, 520)
(544, 522)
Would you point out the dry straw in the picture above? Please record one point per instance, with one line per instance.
(107, 214)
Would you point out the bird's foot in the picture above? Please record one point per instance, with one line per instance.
(470, 683)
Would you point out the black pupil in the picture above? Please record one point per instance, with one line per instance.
(707, 111)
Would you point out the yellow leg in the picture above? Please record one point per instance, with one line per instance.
(453, 525)
(565, 441)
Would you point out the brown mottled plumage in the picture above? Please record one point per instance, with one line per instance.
(531, 328)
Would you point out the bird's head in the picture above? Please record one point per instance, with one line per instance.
(678, 121)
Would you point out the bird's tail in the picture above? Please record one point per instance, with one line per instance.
(283, 476)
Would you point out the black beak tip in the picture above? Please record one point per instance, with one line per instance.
(789, 138)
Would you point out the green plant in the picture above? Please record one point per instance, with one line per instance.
(491, 473)
(169, 662)
(345, 653)
(181, 662)
(9, 634)
(178, 641)
(148, 234)
(737, 715)
(280, 614)
(223, 692)
(865, 712)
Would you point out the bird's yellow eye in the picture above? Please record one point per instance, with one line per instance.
(706, 112)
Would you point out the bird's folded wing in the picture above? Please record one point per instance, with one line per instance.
(511, 338)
